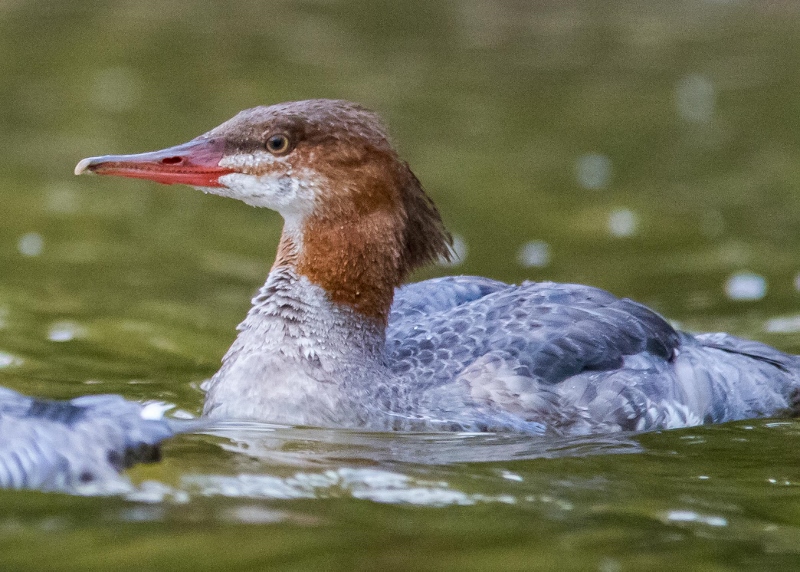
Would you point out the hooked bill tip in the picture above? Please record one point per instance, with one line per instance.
(83, 166)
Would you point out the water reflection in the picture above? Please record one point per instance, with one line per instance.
(65, 331)
(689, 516)
(311, 447)
(30, 244)
(695, 98)
(534, 254)
(622, 223)
(744, 286)
(593, 171)
(284, 463)
(783, 324)
(8, 360)
(62, 199)
(359, 483)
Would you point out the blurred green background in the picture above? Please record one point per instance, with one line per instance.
(650, 148)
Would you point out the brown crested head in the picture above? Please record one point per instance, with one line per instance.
(357, 220)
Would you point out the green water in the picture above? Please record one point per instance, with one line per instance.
(652, 148)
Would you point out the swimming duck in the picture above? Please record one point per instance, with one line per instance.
(335, 339)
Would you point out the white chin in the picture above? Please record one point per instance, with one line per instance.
(288, 195)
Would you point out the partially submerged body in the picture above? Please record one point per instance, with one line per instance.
(471, 354)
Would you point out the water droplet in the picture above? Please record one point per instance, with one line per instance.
(30, 244)
(695, 98)
(609, 565)
(593, 171)
(622, 222)
(509, 476)
(8, 360)
(691, 516)
(254, 515)
(535, 253)
(65, 332)
(155, 410)
(746, 286)
(62, 199)
(783, 325)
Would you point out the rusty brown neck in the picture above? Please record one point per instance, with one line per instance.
(348, 262)
(366, 234)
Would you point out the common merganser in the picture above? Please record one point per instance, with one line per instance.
(333, 339)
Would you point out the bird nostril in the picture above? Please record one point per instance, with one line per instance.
(171, 160)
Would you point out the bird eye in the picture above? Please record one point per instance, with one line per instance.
(278, 144)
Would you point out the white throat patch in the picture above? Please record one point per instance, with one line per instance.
(291, 192)
(282, 188)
